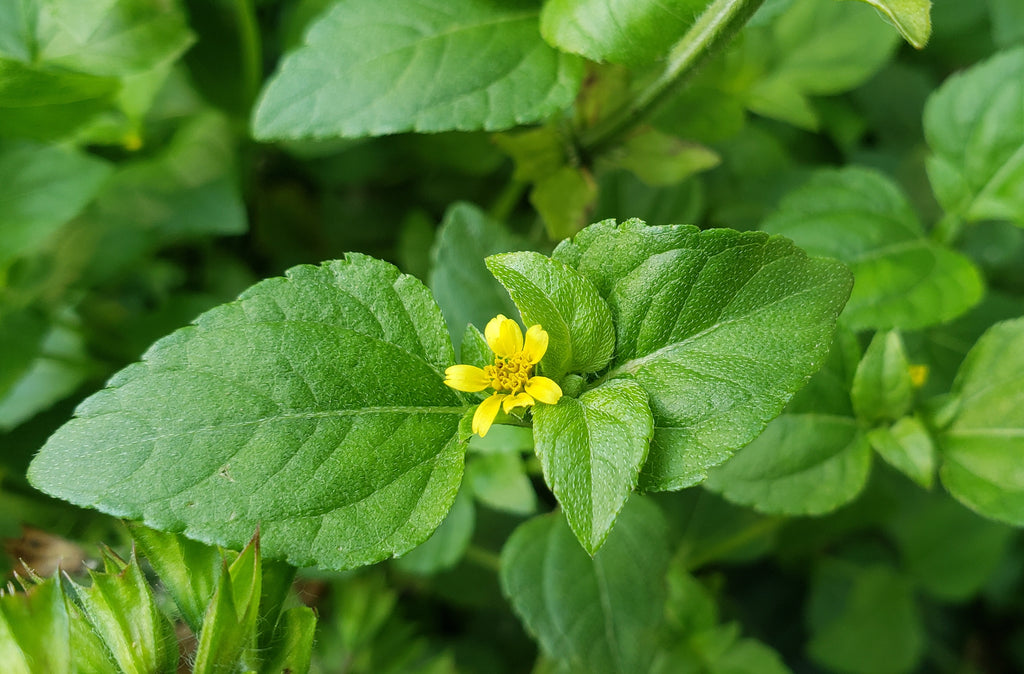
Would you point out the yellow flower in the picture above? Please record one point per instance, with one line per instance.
(511, 376)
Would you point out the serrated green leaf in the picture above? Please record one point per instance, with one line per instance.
(912, 18)
(499, 480)
(314, 407)
(947, 549)
(904, 279)
(863, 620)
(591, 449)
(974, 125)
(120, 607)
(228, 639)
(803, 464)
(980, 450)
(447, 544)
(828, 391)
(630, 32)
(41, 188)
(34, 630)
(907, 446)
(565, 303)
(882, 388)
(464, 289)
(598, 615)
(719, 327)
(188, 570)
(462, 64)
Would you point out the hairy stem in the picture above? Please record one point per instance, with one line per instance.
(713, 29)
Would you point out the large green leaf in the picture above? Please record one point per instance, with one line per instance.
(803, 464)
(981, 448)
(621, 31)
(464, 289)
(374, 67)
(904, 279)
(313, 407)
(592, 448)
(596, 615)
(565, 303)
(41, 188)
(974, 124)
(720, 327)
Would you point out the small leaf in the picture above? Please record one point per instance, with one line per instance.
(34, 629)
(719, 327)
(41, 188)
(882, 388)
(462, 286)
(660, 159)
(564, 199)
(314, 407)
(499, 480)
(904, 280)
(912, 18)
(863, 620)
(461, 64)
(631, 32)
(907, 447)
(597, 615)
(292, 647)
(981, 448)
(188, 570)
(227, 639)
(591, 449)
(974, 125)
(568, 307)
(120, 607)
(803, 464)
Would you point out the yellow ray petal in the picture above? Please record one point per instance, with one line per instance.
(543, 389)
(466, 378)
(485, 413)
(518, 400)
(493, 330)
(536, 343)
(509, 341)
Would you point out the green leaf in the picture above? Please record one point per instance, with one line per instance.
(22, 332)
(314, 407)
(499, 481)
(974, 125)
(904, 280)
(465, 290)
(104, 37)
(815, 48)
(863, 620)
(719, 327)
(227, 640)
(41, 103)
(292, 648)
(591, 449)
(948, 550)
(1007, 22)
(564, 199)
(565, 303)
(882, 388)
(982, 446)
(34, 629)
(120, 607)
(598, 615)
(41, 188)
(907, 446)
(828, 391)
(631, 32)
(447, 544)
(912, 18)
(803, 464)
(190, 571)
(369, 67)
(660, 159)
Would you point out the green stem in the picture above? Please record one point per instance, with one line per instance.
(714, 28)
(251, 46)
(507, 200)
(484, 558)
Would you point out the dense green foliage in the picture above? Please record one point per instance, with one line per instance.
(241, 242)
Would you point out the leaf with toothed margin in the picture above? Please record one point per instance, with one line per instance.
(314, 406)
